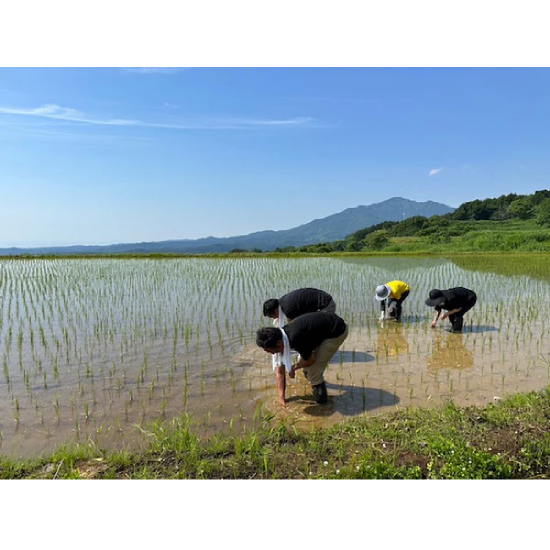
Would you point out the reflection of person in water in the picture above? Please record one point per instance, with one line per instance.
(449, 352)
(391, 340)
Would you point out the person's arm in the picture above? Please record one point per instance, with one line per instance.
(281, 384)
(382, 309)
(302, 364)
(436, 317)
(446, 314)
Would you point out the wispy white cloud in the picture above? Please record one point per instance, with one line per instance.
(227, 124)
(154, 70)
(265, 122)
(62, 113)
(57, 113)
(435, 171)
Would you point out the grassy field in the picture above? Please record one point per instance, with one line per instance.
(509, 439)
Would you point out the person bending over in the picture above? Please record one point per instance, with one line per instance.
(316, 337)
(395, 293)
(298, 302)
(456, 301)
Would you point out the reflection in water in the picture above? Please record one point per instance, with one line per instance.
(395, 264)
(449, 352)
(94, 350)
(392, 339)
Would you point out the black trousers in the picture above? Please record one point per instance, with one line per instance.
(393, 303)
(457, 319)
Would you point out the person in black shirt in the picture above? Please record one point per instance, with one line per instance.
(457, 301)
(316, 337)
(298, 302)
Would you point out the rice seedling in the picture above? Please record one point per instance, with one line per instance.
(136, 328)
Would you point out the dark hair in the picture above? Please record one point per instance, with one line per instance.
(270, 306)
(267, 337)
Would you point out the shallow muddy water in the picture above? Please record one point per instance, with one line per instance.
(94, 349)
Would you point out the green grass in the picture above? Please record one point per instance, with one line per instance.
(509, 439)
(529, 264)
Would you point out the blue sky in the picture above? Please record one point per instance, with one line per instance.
(111, 155)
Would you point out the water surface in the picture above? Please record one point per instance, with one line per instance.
(95, 349)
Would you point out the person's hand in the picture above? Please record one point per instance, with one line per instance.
(292, 372)
(433, 325)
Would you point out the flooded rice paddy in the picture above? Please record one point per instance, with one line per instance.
(94, 350)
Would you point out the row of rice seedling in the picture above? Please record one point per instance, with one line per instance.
(92, 348)
(501, 350)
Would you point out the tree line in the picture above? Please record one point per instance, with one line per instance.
(441, 229)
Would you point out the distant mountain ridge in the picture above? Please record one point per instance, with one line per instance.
(332, 228)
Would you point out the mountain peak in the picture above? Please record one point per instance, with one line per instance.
(332, 228)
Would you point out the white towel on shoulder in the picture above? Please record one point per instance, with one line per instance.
(282, 358)
(281, 321)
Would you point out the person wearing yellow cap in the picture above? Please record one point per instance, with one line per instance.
(395, 293)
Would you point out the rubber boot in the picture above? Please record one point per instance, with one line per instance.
(320, 393)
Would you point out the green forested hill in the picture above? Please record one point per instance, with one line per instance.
(507, 223)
